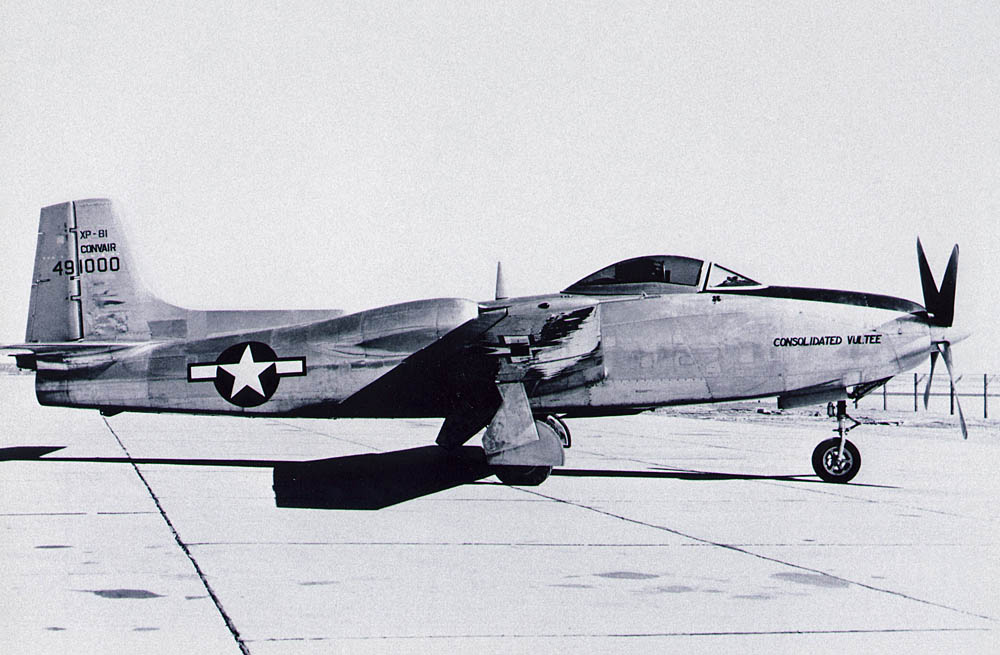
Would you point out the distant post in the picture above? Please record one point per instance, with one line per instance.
(884, 395)
(986, 398)
(952, 394)
(914, 392)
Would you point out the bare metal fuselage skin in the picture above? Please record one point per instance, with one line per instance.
(575, 354)
(641, 333)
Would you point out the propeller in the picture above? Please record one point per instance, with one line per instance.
(927, 389)
(940, 305)
(946, 353)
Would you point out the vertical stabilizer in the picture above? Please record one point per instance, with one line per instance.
(85, 284)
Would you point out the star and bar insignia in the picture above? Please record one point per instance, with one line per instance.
(247, 374)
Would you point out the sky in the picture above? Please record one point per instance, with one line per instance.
(350, 155)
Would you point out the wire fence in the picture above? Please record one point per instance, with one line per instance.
(905, 392)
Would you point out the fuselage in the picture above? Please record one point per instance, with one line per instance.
(577, 354)
(703, 347)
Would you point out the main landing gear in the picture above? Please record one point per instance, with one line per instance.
(553, 432)
(837, 459)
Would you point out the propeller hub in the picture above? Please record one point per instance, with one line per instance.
(950, 335)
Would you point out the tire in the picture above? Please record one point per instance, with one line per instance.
(827, 466)
(522, 476)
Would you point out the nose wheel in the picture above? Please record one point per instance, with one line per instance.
(835, 464)
(838, 460)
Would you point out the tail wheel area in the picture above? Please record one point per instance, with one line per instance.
(522, 476)
(835, 465)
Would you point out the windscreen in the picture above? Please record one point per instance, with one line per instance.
(723, 277)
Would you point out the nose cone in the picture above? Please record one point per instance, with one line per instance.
(950, 335)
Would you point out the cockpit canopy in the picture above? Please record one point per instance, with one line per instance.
(658, 274)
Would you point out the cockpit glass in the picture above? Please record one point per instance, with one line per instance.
(661, 269)
(723, 277)
(670, 270)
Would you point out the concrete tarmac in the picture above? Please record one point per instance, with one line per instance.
(169, 534)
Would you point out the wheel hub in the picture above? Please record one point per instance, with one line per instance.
(837, 464)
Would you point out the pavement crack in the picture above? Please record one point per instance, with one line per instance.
(744, 551)
(181, 544)
(625, 635)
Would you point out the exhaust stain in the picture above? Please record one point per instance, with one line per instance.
(573, 586)
(317, 583)
(55, 629)
(144, 629)
(47, 546)
(815, 579)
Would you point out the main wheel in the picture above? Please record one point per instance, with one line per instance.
(530, 464)
(522, 476)
(831, 468)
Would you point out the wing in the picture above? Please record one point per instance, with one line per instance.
(546, 347)
(450, 376)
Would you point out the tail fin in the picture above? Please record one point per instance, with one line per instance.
(85, 285)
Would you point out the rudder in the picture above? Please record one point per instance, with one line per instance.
(54, 312)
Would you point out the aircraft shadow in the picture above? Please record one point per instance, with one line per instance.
(685, 474)
(369, 481)
(378, 480)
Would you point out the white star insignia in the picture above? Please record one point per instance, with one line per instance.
(246, 373)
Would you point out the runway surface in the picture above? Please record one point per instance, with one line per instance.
(169, 534)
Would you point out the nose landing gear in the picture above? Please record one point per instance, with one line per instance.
(838, 460)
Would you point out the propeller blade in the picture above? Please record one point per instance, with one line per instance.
(940, 303)
(930, 378)
(944, 314)
(946, 352)
(927, 280)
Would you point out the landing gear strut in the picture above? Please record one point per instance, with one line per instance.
(837, 459)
